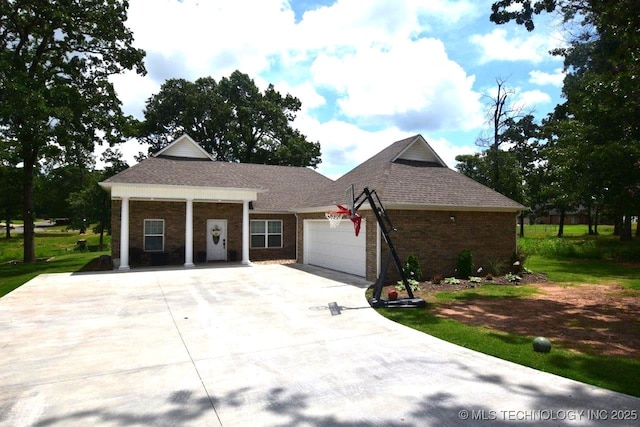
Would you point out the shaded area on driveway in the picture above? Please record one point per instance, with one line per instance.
(252, 346)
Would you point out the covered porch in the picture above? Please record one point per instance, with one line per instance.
(157, 217)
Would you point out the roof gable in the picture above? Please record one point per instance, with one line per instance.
(184, 147)
(419, 150)
(409, 174)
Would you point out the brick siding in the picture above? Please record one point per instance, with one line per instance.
(431, 235)
(288, 250)
(174, 216)
(435, 239)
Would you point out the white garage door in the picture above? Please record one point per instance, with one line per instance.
(335, 248)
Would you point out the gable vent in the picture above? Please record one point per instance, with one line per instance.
(419, 151)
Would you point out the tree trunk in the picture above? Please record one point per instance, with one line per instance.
(617, 224)
(561, 223)
(8, 224)
(590, 220)
(596, 220)
(27, 213)
(638, 226)
(625, 234)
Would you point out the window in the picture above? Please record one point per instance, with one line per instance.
(154, 235)
(266, 234)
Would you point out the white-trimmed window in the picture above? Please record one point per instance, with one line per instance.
(153, 235)
(266, 233)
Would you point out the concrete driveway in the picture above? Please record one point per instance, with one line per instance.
(255, 346)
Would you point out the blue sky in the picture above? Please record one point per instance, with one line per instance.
(368, 73)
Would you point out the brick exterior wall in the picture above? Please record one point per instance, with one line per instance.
(174, 216)
(435, 239)
(431, 235)
(288, 250)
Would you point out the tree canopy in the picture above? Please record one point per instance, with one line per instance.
(592, 150)
(55, 60)
(232, 119)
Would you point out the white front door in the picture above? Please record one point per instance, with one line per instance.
(216, 240)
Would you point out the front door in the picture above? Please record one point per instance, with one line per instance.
(216, 240)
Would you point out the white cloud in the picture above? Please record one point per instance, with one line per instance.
(410, 84)
(499, 45)
(541, 78)
(534, 97)
(354, 23)
(205, 38)
(380, 65)
(305, 92)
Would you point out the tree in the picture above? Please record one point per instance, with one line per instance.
(501, 113)
(55, 60)
(232, 119)
(599, 122)
(91, 204)
(10, 187)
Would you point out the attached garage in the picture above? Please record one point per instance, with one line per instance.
(335, 248)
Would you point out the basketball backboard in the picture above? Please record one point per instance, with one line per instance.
(350, 199)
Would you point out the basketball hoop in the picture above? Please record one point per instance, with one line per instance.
(335, 217)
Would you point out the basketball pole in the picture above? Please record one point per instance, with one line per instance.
(384, 222)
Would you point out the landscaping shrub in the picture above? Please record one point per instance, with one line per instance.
(496, 267)
(412, 268)
(465, 264)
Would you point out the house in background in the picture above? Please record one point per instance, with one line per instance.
(181, 206)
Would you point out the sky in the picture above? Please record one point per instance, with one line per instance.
(368, 73)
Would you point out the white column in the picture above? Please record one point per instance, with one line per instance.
(124, 234)
(245, 232)
(188, 235)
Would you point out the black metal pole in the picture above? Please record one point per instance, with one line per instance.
(377, 210)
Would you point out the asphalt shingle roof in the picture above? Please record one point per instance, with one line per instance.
(286, 186)
(289, 188)
(413, 183)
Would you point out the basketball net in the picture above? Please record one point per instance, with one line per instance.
(335, 218)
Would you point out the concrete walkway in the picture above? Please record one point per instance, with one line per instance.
(255, 346)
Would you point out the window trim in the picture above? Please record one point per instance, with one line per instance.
(145, 235)
(266, 234)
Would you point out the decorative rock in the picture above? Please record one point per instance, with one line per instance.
(542, 345)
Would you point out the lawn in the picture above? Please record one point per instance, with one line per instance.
(577, 261)
(57, 251)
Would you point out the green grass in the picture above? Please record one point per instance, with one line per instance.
(578, 244)
(57, 253)
(579, 271)
(577, 258)
(614, 373)
(486, 292)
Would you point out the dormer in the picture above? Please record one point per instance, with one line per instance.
(186, 148)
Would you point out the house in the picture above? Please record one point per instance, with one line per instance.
(572, 217)
(182, 206)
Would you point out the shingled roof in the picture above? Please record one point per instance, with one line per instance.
(419, 179)
(282, 188)
(408, 173)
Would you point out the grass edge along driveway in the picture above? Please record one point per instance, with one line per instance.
(613, 373)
